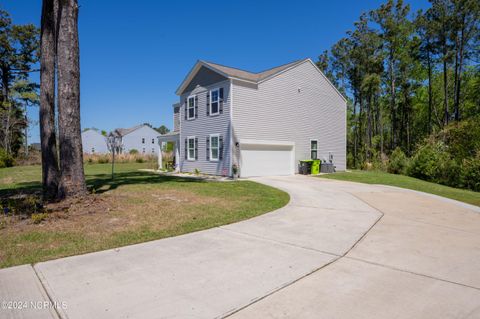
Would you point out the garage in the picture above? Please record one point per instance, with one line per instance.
(266, 158)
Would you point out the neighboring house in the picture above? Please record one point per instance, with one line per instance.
(93, 142)
(36, 146)
(263, 123)
(142, 138)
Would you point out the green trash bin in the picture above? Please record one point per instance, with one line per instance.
(315, 167)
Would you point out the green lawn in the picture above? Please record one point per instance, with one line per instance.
(134, 207)
(29, 177)
(376, 177)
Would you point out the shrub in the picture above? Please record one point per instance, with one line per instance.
(462, 138)
(449, 172)
(6, 160)
(140, 160)
(103, 159)
(398, 162)
(425, 163)
(471, 173)
(39, 217)
(133, 151)
(350, 161)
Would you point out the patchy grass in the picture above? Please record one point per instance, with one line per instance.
(376, 177)
(134, 207)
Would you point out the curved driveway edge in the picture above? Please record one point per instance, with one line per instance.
(420, 260)
(337, 250)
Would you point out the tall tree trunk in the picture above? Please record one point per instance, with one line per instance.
(7, 106)
(360, 121)
(369, 122)
(445, 90)
(355, 139)
(72, 181)
(50, 173)
(392, 102)
(445, 75)
(458, 77)
(430, 94)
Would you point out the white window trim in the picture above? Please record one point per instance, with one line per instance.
(210, 148)
(188, 148)
(313, 140)
(188, 107)
(218, 102)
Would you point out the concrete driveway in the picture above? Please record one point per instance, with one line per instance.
(337, 250)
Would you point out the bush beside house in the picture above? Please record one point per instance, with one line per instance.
(450, 157)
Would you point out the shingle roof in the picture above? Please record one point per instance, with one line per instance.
(250, 76)
(125, 131)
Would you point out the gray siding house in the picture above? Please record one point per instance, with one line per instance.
(142, 138)
(93, 142)
(263, 123)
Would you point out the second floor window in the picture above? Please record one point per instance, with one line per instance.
(214, 102)
(313, 149)
(191, 108)
(143, 140)
(153, 141)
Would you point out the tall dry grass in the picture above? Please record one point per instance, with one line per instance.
(119, 158)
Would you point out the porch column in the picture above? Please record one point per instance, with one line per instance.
(160, 164)
(177, 156)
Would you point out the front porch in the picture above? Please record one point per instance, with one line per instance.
(163, 140)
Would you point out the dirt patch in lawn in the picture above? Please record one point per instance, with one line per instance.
(117, 211)
(127, 214)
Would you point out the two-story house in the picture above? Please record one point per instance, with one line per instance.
(142, 138)
(93, 142)
(261, 123)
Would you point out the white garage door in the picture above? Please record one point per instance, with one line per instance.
(266, 160)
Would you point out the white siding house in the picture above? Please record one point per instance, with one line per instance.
(142, 138)
(93, 142)
(263, 123)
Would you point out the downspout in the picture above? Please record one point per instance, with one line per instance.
(232, 149)
(178, 168)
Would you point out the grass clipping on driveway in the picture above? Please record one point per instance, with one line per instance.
(135, 207)
(375, 177)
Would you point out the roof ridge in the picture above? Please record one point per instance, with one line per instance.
(226, 66)
(255, 73)
(282, 65)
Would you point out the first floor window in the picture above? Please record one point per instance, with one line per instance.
(313, 149)
(153, 150)
(214, 147)
(191, 149)
(143, 150)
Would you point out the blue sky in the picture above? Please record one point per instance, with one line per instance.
(133, 55)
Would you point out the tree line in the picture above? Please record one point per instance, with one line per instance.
(18, 58)
(55, 46)
(406, 75)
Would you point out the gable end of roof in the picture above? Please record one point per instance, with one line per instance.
(234, 73)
